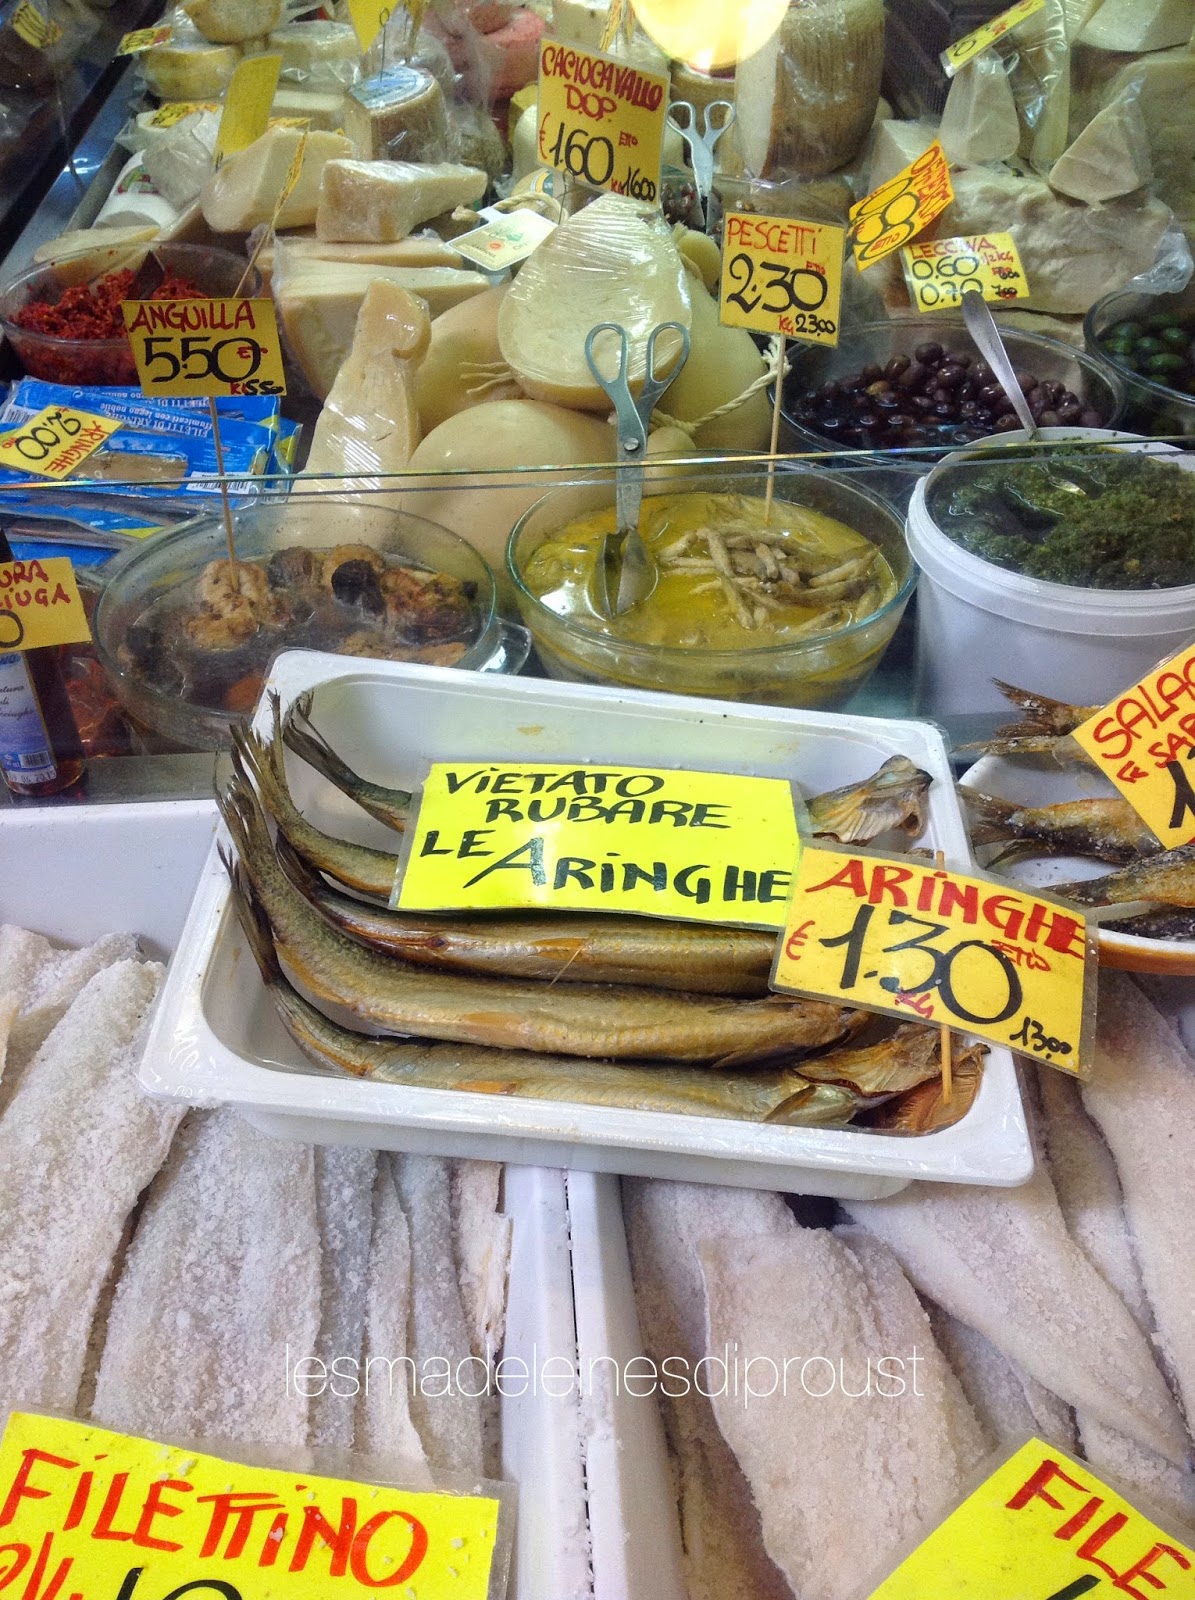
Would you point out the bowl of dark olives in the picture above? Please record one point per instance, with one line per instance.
(918, 384)
(1148, 340)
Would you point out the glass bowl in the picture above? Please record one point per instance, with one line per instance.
(821, 670)
(878, 342)
(81, 362)
(194, 698)
(1152, 408)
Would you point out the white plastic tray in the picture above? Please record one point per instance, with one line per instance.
(217, 1039)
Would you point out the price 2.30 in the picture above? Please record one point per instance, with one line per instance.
(945, 975)
(794, 294)
(196, 357)
(592, 158)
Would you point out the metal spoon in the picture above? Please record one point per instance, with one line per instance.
(981, 325)
(625, 573)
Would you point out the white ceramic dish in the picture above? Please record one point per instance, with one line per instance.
(1031, 782)
(217, 1039)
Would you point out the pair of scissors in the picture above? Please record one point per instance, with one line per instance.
(625, 573)
(701, 144)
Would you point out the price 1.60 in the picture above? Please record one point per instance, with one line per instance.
(792, 294)
(593, 158)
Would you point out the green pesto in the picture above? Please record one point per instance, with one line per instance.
(1106, 520)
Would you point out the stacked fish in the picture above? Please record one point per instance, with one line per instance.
(631, 1012)
(1061, 1309)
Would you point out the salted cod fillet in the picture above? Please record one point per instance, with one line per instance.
(344, 1180)
(78, 1143)
(880, 1465)
(723, 1545)
(1007, 1401)
(1002, 1261)
(223, 1274)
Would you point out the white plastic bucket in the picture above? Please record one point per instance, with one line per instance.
(977, 622)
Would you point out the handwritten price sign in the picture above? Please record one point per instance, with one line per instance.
(900, 209)
(782, 277)
(205, 347)
(35, 29)
(142, 39)
(40, 605)
(600, 120)
(1144, 741)
(703, 846)
(912, 939)
(54, 442)
(940, 271)
(130, 1519)
(972, 44)
(1046, 1527)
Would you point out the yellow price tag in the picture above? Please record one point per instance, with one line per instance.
(1144, 743)
(1043, 1527)
(122, 1516)
(702, 846)
(781, 276)
(898, 210)
(369, 17)
(141, 39)
(601, 121)
(247, 103)
(940, 271)
(205, 347)
(973, 44)
(914, 940)
(35, 29)
(55, 441)
(175, 110)
(506, 240)
(40, 605)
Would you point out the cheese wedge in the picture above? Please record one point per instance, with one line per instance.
(245, 190)
(894, 146)
(318, 108)
(1109, 158)
(1140, 25)
(398, 116)
(234, 21)
(580, 22)
(417, 252)
(86, 253)
(318, 302)
(1164, 85)
(309, 49)
(980, 122)
(182, 70)
(380, 201)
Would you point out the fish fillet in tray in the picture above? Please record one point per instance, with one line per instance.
(216, 1038)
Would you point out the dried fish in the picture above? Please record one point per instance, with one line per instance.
(1042, 731)
(1106, 829)
(891, 800)
(1167, 879)
(390, 806)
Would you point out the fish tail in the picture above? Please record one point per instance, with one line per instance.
(989, 817)
(781, 1113)
(254, 923)
(308, 743)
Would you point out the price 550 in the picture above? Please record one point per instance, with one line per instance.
(195, 357)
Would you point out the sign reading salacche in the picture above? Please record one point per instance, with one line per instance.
(781, 276)
(1043, 1527)
(40, 605)
(917, 941)
(1144, 742)
(103, 1515)
(601, 121)
(205, 347)
(704, 846)
(972, 44)
(890, 216)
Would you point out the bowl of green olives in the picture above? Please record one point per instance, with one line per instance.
(1149, 341)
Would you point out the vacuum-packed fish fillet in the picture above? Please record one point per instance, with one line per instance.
(344, 1179)
(78, 1143)
(220, 1294)
(1002, 1261)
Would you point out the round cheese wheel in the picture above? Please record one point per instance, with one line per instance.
(722, 363)
(463, 338)
(234, 21)
(187, 71)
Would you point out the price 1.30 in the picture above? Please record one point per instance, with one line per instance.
(922, 942)
(205, 347)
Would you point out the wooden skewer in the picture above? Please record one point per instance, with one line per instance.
(775, 430)
(944, 1032)
(232, 549)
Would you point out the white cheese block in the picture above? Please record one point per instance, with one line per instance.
(182, 70)
(416, 252)
(1109, 158)
(245, 190)
(1164, 84)
(318, 303)
(806, 100)
(309, 48)
(398, 116)
(609, 263)
(1140, 25)
(979, 122)
(379, 201)
(318, 108)
(580, 22)
(234, 21)
(894, 145)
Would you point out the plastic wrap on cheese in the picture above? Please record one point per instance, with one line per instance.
(615, 261)
(318, 55)
(189, 67)
(980, 122)
(244, 191)
(400, 115)
(381, 201)
(1110, 157)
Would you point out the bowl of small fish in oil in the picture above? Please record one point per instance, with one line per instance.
(788, 605)
(187, 637)
(1038, 810)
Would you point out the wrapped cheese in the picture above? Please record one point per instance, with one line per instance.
(380, 201)
(317, 54)
(318, 108)
(88, 253)
(463, 365)
(234, 21)
(612, 262)
(806, 100)
(1109, 158)
(895, 145)
(1140, 25)
(189, 69)
(399, 115)
(979, 122)
(417, 252)
(244, 191)
(1164, 85)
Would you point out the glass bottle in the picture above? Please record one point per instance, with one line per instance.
(41, 752)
